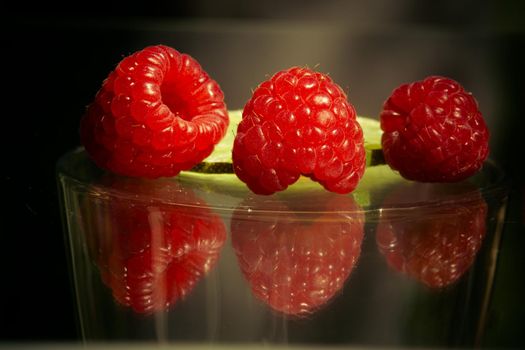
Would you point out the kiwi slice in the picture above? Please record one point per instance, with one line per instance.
(215, 176)
(372, 134)
(215, 181)
(220, 160)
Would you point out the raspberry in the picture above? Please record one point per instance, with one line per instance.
(156, 114)
(151, 254)
(296, 264)
(436, 244)
(299, 122)
(433, 131)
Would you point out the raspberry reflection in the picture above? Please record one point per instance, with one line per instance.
(297, 261)
(151, 253)
(433, 242)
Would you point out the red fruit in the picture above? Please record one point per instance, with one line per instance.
(299, 122)
(434, 131)
(434, 244)
(296, 263)
(151, 253)
(156, 114)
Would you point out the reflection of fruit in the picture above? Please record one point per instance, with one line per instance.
(299, 122)
(150, 253)
(433, 131)
(435, 244)
(297, 262)
(156, 114)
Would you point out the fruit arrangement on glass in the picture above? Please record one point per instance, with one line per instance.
(291, 220)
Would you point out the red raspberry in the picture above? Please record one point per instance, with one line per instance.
(435, 244)
(297, 263)
(156, 114)
(433, 131)
(299, 122)
(150, 253)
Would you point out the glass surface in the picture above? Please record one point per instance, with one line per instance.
(200, 259)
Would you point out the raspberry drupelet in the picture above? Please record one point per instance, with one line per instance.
(299, 122)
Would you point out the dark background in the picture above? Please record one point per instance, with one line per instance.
(54, 59)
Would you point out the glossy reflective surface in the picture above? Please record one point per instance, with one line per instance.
(202, 259)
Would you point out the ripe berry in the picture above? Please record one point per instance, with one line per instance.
(433, 131)
(296, 263)
(434, 244)
(299, 122)
(156, 114)
(151, 253)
